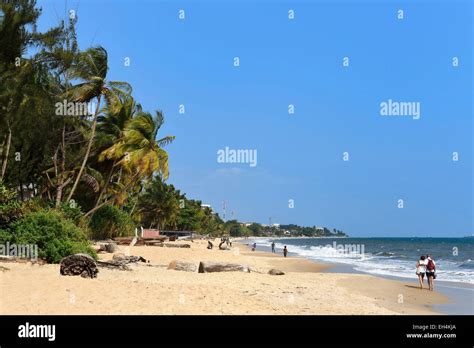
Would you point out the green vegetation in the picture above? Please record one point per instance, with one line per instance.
(78, 154)
(162, 206)
(110, 222)
(238, 229)
(312, 231)
(76, 149)
(55, 235)
(10, 209)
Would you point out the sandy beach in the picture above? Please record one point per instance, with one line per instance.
(151, 288)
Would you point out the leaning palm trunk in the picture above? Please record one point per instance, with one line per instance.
(7, 153)
(61, 184)
(88, 151)
(106, 184)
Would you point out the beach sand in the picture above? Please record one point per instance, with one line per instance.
(304, 289)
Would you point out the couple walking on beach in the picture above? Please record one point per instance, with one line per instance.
(426, 265)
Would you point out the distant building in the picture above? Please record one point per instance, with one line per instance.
(204, 206)
(272, 225)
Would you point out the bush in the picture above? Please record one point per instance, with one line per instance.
(71, 212)
(5, 236)
(10, 208)
(55, 236)
(110, 222)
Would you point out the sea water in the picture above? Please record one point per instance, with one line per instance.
(395, 257)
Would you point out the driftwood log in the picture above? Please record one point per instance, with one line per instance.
(139, 240)
(120, 262)
(128, 259)
(182, 266)
(173, 245)
(208, 267)
(79, 265)
(153, 242)
(123, 240)
(275, 271)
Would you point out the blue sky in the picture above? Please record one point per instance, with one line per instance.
(337, 108)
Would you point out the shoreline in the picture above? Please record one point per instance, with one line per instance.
(457, 293)
(306, 288)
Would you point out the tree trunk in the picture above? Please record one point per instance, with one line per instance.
(88, 151)
(7, 153)
(174, 245)
(208, 267)
(59, 191)
(93, 210)
(79, 264)
(106, 184)
(182, 266)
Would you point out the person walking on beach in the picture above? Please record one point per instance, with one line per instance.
(254, 246)
(421, 269)
(285, 251)
(430, 271)
(273, 247)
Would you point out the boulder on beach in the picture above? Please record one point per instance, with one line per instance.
(275, 271)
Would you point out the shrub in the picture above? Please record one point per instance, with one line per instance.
(55, 236)
(71, 212)
(5, 236)
(10, 208)
(110, 222)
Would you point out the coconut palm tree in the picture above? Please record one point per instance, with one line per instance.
(91, 68)
(110, 129)
(159, 205)
(139, 151)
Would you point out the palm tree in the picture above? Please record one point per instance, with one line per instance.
(158, 205)
(138, 150)
(137, 153)
(91, 68)
(110, 129)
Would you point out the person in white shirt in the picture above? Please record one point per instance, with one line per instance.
(421, 269)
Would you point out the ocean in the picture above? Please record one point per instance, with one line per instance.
(395, 257)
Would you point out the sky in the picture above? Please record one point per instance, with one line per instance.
(400, 178)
